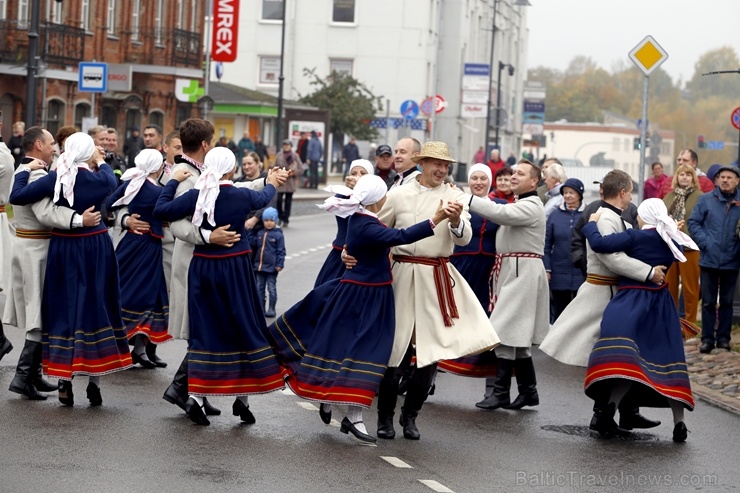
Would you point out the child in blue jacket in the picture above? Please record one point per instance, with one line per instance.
(269, 258)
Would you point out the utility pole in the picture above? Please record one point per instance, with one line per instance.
(32, 66)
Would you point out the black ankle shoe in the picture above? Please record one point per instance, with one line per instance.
(680, 432)
(410, 431)
(706, 347)
(209, 409)
(195, 413)
(325, 415)
(66, 396)
(242, 410)
(348, 427)
(93, 395)
(603, 422)
(143, 360)
(151, 353)
(385, 426)
(636, 420)
(724, 345)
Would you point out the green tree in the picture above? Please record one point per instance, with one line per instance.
(350, 103)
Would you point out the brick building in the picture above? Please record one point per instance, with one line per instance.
(157, 40)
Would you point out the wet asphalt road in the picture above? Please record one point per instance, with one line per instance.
(137, 442)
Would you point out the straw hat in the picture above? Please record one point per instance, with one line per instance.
(434, 150)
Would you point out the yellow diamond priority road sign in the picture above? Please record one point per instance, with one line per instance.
(648, 55)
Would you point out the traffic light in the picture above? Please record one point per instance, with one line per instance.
(700, 142)
(636, 143)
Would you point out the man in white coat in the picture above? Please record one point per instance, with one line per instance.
(33, 224)
(520, 292)
(575, 332)
(437, 314)
(7, 164)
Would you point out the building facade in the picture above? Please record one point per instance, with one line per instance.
(400, 49)
(148, 44)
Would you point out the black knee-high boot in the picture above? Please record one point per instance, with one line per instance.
(177, 392)
(387, 397)
(5, 345)
(500, 397)
(526, 383)
(22, 382)
(416, 394)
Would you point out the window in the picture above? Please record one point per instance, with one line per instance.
(23, 13)
(344, 11)
(135, 19)
(158, 24)
(82, 110)
(272, 10)
(156, 117)
(3, 9)
(340, 66)
(180, 13)
(269, 69)
(112, 17)
(615, 144)
(109, 116)
(54, 116)
(85, 16)
(193, 17)
(56, 12)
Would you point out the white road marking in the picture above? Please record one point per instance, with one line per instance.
(395, 461)
(439, 488)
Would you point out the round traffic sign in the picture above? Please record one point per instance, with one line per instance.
(735, 118)
(439, 103)
(427, 106)
(409, 109)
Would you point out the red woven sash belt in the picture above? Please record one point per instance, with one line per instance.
(442, 283)
(497, 270)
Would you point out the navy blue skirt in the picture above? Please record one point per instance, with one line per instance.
(333, 267)
(334, 345)
(641, 341)
(228, 353)
(144, 300)
(476, 269)
(83, 332)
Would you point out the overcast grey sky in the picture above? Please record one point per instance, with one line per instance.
(607, 30)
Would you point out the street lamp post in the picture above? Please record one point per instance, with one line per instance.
(487, 130)
(281, 78)
(501, 66)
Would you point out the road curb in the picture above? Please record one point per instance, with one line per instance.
(705, 394)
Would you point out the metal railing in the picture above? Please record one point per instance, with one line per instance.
(62, 44)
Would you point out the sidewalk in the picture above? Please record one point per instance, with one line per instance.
(317, 194)
(715, 377)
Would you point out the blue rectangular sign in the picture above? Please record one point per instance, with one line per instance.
(715, 145)
(92, 77)
(477, 69)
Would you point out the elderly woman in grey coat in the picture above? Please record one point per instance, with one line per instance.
(554, 179)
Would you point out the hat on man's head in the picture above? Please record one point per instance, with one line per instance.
(734, 169)
(434, 150)
(134, 129)
(383, 149)
(575, 184)
(712, 171)
(270, 214)
(288, 142)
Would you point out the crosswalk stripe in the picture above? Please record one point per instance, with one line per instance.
(395, 461)
(438, 487)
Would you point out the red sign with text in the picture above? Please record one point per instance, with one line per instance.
(225, 28)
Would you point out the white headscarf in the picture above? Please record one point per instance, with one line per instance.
(369, 190)
(218, 162)
(480, 167)
(78, 148)
(654, 214)
(364, 163)
(147, 162)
